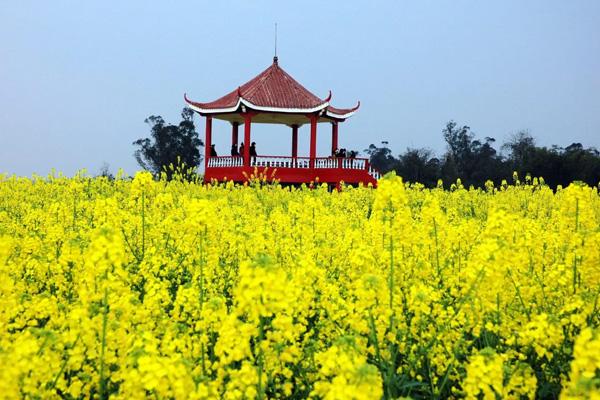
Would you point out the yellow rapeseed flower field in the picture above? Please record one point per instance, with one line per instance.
(141, 288)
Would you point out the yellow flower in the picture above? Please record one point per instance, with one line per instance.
(136, 288)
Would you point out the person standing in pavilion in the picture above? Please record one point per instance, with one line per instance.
(253, 152)
(241, 151)
(213, 151)
(234, 150)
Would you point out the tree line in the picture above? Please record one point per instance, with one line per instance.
(474, 161)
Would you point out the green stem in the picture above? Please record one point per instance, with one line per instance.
(64, 364)
(518, 292)
(103, 393)
(260, 393)
(391, 283)
(202, 262)
(576, 215)
(374, 338)
(574, 274)
(143, 223)
(437, 251)
(74, 211)
(202, 297)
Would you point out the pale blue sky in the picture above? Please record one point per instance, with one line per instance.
(78, 78)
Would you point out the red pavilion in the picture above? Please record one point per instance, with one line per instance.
(274, 97)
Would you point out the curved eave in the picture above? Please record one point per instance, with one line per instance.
(342, 115)
(241, 101)
(338, 116)
(202, 109)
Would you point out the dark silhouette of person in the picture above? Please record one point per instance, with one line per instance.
(253, 152)
(213, 151)
(241, 152)
(234, 150)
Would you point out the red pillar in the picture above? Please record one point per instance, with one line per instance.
(247, 122)
(234, 133)
(207, 141)
(294, 141)
(334, 137)
(313, 139)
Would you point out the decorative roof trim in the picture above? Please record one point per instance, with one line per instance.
(348, 114)
(194, 106)
(285, 110)
(241, 100)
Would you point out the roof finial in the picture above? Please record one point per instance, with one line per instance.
(275, 57)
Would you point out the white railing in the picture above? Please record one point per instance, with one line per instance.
(294, 162)
(374, 173)
(326, 163)
(226, 161)
(280, 162)
(354, 163)
(344, 163)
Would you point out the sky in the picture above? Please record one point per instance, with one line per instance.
(78, 78)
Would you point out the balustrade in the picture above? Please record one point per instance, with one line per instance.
(280, 162)
(293, 162)
(226, 161)
(374, 173)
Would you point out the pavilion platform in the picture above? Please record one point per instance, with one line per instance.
(293, 170)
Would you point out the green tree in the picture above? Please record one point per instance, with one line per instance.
(472, 160)
(459, 157)
(169, 145)
(419, 165)
(582, 164)
(486, 164)
(381, 158)
(521, 147)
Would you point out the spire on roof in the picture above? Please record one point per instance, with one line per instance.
(275, 56)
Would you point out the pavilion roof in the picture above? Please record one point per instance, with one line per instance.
(273, 90)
